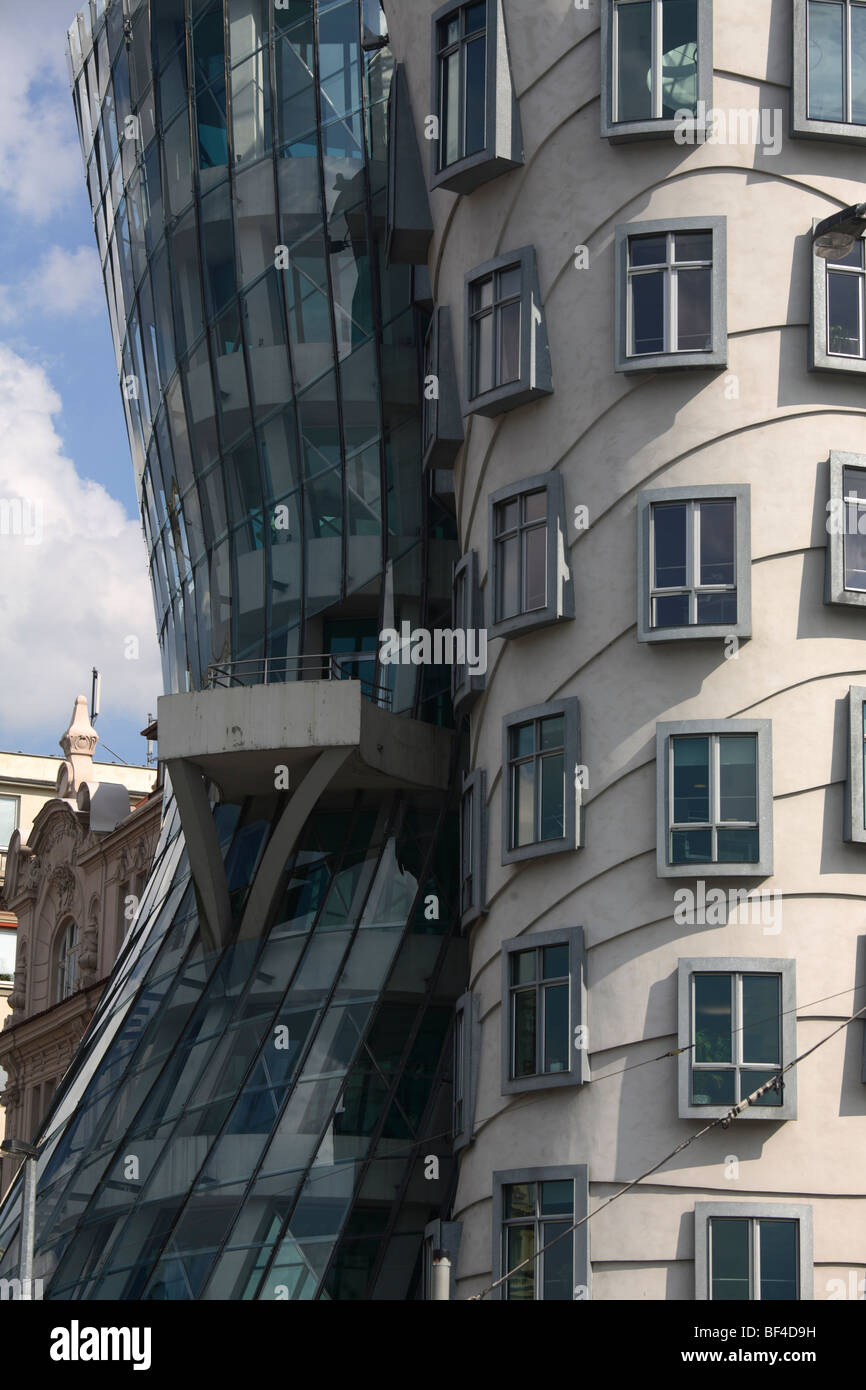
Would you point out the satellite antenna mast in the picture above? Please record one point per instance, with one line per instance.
(95, 692)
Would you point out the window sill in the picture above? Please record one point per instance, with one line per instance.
(696, 633)
(667, 361)
(465, 175)
(503, 398)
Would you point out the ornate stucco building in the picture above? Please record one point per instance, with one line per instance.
(73, 884)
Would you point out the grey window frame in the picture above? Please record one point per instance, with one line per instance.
(465, 687)
(802, 125)
(579, 1175)
(763, 728)
(616, 131)
(442, 418)
(740, 493)
(768, 1211)
(408, 220)
(560, 587)
(569, 708)
(737, 965)
(467, 1015)
(503, 148)
(717, 357)
(834, 567)
(854, 827)
(535, 377)
(820, 358)
(578, 1071)
(441, 1235)
(475, 787)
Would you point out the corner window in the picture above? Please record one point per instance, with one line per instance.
(694, 572)
(838, 338)
(442, 421)
(657, 65)
(540, 758)
(759, 1251)
(543, 1011)
(473, 847)
(737, 1029)
(854, 831)
(829, 95)
(845, 564)
(409, 225)
(466, 1058)
(507, 353)
(66, 963)
(715, 798)
(529, 576)
(479, 124)
(671, 294)
(533, 1209)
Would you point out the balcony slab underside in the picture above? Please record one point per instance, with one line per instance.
(239, 737)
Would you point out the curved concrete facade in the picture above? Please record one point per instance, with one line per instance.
(764, 421)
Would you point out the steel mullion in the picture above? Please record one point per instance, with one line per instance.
(755, 1248)
(693, 559)
(847, 65)
(671, 333)
(713, 762)
(657, 55)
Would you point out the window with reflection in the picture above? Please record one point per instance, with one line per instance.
(539, 1010)
(836, 71)
(520, 554)
(846, 303)
(495, 318)
(694, 563)
(736, 1038)
(854, 533)
(754, 1258)
(655, 59)
(714, 799)
(670, 293)
(536, 781)
(536, 1240)
(461, 38)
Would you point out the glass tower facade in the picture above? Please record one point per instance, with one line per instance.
(248, 1116)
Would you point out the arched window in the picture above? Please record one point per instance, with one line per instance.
(66, 963)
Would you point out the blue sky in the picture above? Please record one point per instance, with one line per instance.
(73, 580)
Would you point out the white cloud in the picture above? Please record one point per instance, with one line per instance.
(63, 283)
(40, 157)
(73, 582)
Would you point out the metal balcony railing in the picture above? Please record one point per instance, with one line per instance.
(327, 666)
